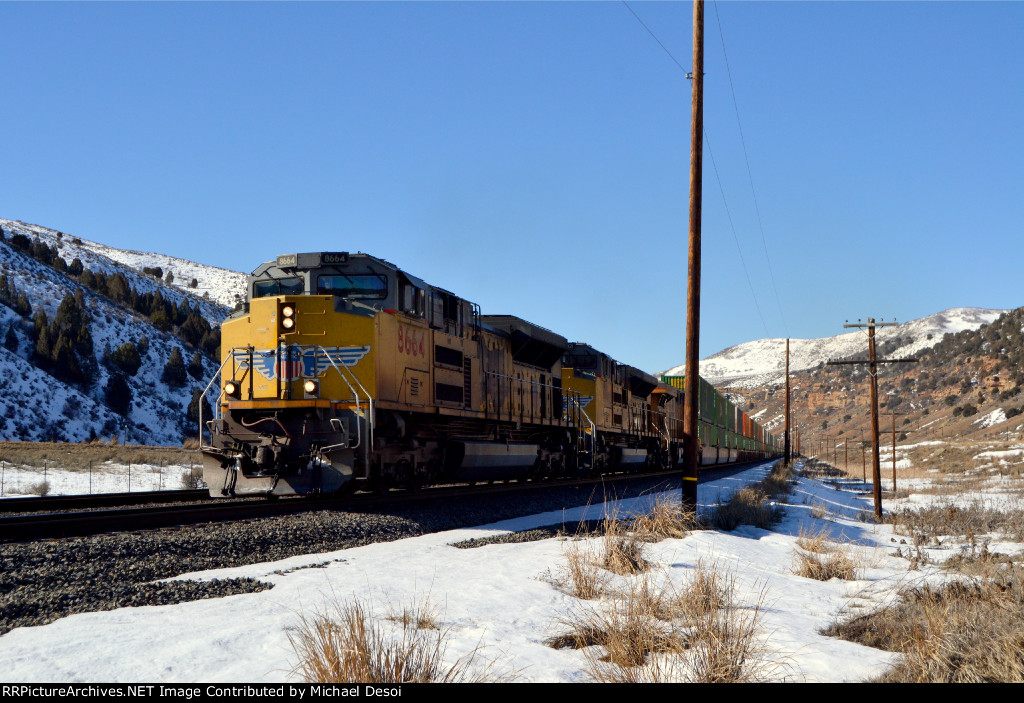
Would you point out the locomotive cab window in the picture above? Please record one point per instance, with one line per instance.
(411, 298)
(279, 286)
(580, 361)
(358, 287)
(446, 312)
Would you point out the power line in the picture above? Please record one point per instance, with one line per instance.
(719, 179)
(750, 174)
(653, 36)
(736, 238)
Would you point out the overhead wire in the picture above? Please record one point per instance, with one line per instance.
(714, 165)
(728, 214)
(750, 174)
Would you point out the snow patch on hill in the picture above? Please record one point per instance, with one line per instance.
(217, 289)
(763, 361)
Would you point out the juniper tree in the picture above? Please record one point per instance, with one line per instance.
(126, 357)
(195, 366)
(174, 374)
(11, 340)
(118, 394)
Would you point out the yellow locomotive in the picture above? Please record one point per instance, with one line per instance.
(343, 371)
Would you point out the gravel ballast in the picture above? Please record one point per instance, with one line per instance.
(46, 580)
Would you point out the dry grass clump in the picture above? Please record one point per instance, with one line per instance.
(582, 577)
(747, 506)
(779, 482)
(421, 616)
(667, 519)
(623, 549)
(961, 632)
(729, 649)
(820, 558)
(930, 523)
(192, 480)
(347, 646)
(980, 563)
(820, 469)
(654, 632)
(627, 631)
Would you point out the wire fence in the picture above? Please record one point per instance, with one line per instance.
(97, 477)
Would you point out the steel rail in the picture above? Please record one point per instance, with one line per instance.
(99, 500)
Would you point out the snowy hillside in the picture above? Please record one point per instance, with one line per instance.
(763, 362)
(39, 402)
(215, 285)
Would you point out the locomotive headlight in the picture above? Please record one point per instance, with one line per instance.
(311, 387)
(231, 388)
(286, 316)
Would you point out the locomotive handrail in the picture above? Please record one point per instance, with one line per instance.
(369, 401)
(359, 435)
(574, 397)
(206, 390)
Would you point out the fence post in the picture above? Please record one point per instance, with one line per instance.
(90, 477)
(129, 477)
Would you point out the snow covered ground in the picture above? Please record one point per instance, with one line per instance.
(108, 477)
(504, 599)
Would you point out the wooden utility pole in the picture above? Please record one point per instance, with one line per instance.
(863, 465)
(893, 450)
(786, 450)
(691, 411)
(894, 414)
(872, 362)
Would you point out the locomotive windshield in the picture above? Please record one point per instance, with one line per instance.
(363, 287)
(279, 286)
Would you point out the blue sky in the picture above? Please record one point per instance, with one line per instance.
(534, 157)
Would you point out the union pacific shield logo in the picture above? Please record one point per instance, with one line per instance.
(298, 361)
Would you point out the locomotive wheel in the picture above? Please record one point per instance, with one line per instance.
(346, 490)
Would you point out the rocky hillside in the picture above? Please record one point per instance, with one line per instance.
(99, 342)
(763, 361)
(967, 383)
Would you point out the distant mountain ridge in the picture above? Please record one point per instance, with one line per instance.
(762, 362)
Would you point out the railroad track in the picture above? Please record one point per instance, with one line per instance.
(99, 500)
(23, 528)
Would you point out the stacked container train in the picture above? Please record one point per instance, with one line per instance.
(344, 372)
